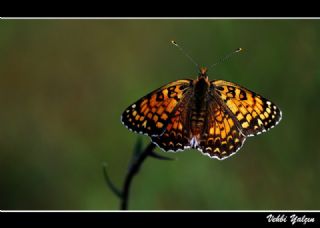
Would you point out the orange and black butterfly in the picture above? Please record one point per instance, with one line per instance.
(214, 117)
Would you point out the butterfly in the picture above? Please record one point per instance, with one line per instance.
(214, 117)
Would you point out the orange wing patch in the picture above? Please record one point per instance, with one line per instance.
(254, 113)
(150, 114)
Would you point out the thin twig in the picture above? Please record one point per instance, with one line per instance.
(113, 188)
(137, 160)
(133, 170)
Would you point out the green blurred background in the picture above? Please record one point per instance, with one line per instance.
(65, 83)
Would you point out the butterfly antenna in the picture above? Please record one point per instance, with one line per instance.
(185, 53)
(226, 57)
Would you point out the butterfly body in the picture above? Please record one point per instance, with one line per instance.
(198, 105)
(214, 117)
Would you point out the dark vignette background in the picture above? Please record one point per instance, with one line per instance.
(64, 84)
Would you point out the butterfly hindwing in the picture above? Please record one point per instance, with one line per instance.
(221, 137)
(177, 133)
(254, 113)
(150, 114)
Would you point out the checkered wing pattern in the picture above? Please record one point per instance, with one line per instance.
(151, 114)
(222, 137)
(252, 113)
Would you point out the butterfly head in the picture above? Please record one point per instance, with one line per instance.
(203, 73)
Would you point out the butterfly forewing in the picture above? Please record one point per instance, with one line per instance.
(254, 113)
(150, 114)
